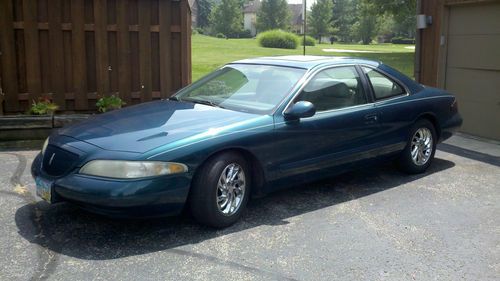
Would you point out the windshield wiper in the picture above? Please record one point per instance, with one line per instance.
(174, 98)
(205, 102)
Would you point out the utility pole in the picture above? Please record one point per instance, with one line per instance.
(304, 19)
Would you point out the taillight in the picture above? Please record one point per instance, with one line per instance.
(454, 105)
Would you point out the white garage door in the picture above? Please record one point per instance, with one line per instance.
(473, 66)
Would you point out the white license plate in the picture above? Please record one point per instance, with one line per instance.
(44, 189)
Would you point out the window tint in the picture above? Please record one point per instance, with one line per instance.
(383, 87)
(334, 88)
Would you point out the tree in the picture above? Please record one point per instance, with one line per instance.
(344, 17)
(366, 26)
(273, 14)
(320, 18)
(386, 27)
(227, 18)
(403, 13)
(204, 9)
(358, 19)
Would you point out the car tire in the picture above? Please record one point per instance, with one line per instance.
(420, 149)
(219, 196)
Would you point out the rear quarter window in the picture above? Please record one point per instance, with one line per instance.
(383, 86)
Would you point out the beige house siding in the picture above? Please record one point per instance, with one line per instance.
(249, 20)
(251, 8)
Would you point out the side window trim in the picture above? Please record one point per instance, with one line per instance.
(369, 94)
(348, 108)
(389, 77)
(309, 75)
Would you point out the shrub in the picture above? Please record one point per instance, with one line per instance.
(401, 40)
(278, 39)
(310, 41)
(42, 107)
(109, 103)
(245, 34)
(220, 35)
(205, 31)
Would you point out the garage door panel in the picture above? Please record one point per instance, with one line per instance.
(473, 66)
(474, 85)
(480, 19)
(474, 51)
(481, 119)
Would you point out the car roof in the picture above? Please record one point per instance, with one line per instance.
(307, 62)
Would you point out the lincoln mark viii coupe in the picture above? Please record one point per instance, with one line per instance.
(251, 127)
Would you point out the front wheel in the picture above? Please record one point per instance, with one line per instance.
(419, 151)
(220, 190)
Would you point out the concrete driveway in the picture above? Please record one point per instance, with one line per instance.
(375, 224)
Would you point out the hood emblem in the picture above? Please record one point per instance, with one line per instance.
(51, 158)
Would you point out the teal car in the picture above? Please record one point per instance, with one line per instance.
(251, 127)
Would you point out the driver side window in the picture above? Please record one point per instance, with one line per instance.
(334, 88)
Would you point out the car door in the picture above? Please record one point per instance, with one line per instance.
(396, 114)
(342, 131)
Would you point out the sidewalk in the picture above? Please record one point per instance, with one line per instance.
(480, 149)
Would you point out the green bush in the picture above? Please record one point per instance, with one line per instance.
(42, 107)
(205, 31)
(310, 41)
(245, 34)
(220, 35)
(109, 103)
(278, 39)
(401, 40)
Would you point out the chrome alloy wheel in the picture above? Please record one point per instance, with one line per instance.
(231, 189)
(421, 146)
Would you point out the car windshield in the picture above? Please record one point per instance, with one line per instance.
(244, 87)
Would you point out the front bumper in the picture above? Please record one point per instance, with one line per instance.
(149, 197)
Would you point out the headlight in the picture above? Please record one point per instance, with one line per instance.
(44, 147)
(131, 169)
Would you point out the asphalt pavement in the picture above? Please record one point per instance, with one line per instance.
(370, 224)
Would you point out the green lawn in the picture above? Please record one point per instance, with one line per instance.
(209, 53)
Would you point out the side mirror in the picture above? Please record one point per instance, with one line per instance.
(300, 109)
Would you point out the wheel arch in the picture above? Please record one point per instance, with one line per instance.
(433, 119)
(257, 170)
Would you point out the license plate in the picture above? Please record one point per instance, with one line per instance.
(44, 189)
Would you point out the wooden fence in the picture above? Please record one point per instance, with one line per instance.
(75, 51)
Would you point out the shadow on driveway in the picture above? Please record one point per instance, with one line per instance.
(471, 154)
(67, 230)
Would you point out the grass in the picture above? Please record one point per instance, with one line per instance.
(209, 53)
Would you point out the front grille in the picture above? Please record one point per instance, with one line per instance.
(57, 161)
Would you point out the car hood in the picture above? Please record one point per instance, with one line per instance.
(146, 126)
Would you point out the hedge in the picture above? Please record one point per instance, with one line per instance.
(278, 39)
(401, 40)
(310, 41)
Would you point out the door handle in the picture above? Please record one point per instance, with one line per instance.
(371, 118)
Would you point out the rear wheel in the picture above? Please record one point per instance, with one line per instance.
(220, 190)
(419, 151)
